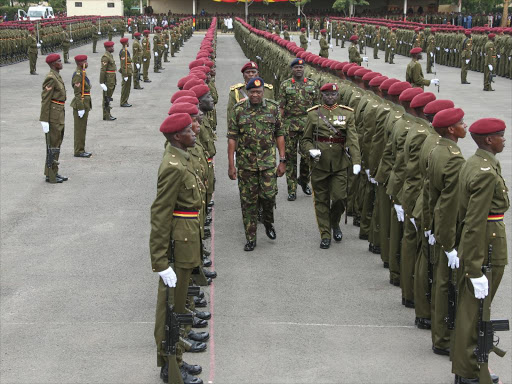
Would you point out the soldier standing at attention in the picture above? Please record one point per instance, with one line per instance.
(175, 240)
(303, 39)
(108, 78)
(95, 33)
(137, 60)
(81, 105)
(286, 34)
(414, 73)
(490, 61)
(324, 45)
(483, 200)
(146, 56)
(33, 45)
(330, 137)
(392, 45)
(431, 47)
(297, 95)
(126, 70)
(52, 116)
(467, 47)
(157, 42)
(253, 133)
(376, 42)
(66, 43)
(353, 52)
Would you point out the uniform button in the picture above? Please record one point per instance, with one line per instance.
(193, 186)
(186, 239)
(173, 155)
(494, 235)
(330, 146)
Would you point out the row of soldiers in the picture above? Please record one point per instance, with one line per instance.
(427, 211)
(181, 216)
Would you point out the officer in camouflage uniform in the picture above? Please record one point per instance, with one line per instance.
(253, 133)
(330, 138)
(297, 95)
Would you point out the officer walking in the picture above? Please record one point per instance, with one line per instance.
(253, 133)
(414, 73)
(81, 105)
(330, 138)
(297, 95)
(126, 70)
(108, 78)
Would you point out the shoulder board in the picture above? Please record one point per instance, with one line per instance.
(236, 86)
(345, 107)
(271, 101)
(313, 108)
(269, 86)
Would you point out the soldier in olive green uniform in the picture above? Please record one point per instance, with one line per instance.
(66, 43)
(175, 243)
(286, 34)
(137, 60)
(392, 44)
(414, 73)
(146, 56)
(376, 42)
(81, 105)
(253, 132)
(303, 39)
(126, 70)
(95, 34)
(490, 61)
(444, 164)
(157, 43)
(52, 117)
(431, 47)
(108, 78)
(483, 200)
(297, 95)
(324, 45)
(353, 52)
(330, 138)
(467, 47)
(33, 45)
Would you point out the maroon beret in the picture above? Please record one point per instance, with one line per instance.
(303, 29)
(410, 93)
(192, 83)
(348, 66)
(52, 57)
(195, 63)
(136, 34)
(124, 40)
(202, 68)
(377, 81)
(249, 65)
(447, 117)
(107, 44)
(397, 88)
(467, 32)
(353, 69)
(189, 108)
(421, 99)
(187, 99)
(354, 38)
(370, 75)
(415, 50)
(30, 29)
(338, 66)
(200, 90)
(323, 31)
(362, 71)
(179, 94)
(329, 87)
(491, 35)
(176, 123)
(437, 105)
(183, 80)
(79, 58)
(388, 83)
(199, 75)
(487, 126)
(146, 32)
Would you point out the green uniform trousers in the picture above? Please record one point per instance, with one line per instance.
(65, 53)
(211, 182)
(463, 359)
(375, 51)
(80, 130)
(33, 61)
(439, 306)
(56, 135)
(292, 142)
(487, 78)
(145, 68)
(126, 87)
(330, 194)
(395, 232)
(136, 73)
(257, 188)
(421, 285)
(107, 107)
(430, 60)
(368, 201)
(464, 71)
(408, 259)
(94, 43)
(382, 220)
(353, 186)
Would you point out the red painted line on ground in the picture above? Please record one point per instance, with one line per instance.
(212, 303)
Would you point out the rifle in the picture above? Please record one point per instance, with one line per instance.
(491, 77)
(487, 327)
(430, 275)
(452, 300)
(50, 159)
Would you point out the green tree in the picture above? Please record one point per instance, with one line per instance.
(344, 5)
(58, 5)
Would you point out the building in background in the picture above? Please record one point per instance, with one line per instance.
(95, 7)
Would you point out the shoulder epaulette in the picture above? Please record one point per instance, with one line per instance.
(345, 107)
(313, 108)
(236, 86)
(241, 102)
(269, 86)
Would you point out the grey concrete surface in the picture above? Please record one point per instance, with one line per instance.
(77, 291)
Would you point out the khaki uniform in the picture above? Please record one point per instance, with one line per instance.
(81, 102)
(126, 70)
(108, 77)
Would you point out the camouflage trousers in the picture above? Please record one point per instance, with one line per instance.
(257, 188)
(292, 142)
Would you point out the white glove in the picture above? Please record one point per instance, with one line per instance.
(431, 54)
(377, 44)
(431, 239)
(104, 87)
(356, 169)
(498, 56)
(399, 212)
(400, 41)
(365, 59)
(490, 67)
(169, 277)
(115, 30)
(454, 50)
(81, 113)
(434, 81)
(125, 78)
(467, 61)
(414, 223)
(41, 41)
(367, 171)
(330, 46)
(46, 126)
(427, 233)
(145, 59)
(71, 40)
(156, 54)
(137, 65)
(309, 40)
(99, 33)
(166, 46)
(446, 50)
(481, 286)
(314, 153)
(389, 45)
(38, 45)
(453, 259)
(373, 181)
(438, 48)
